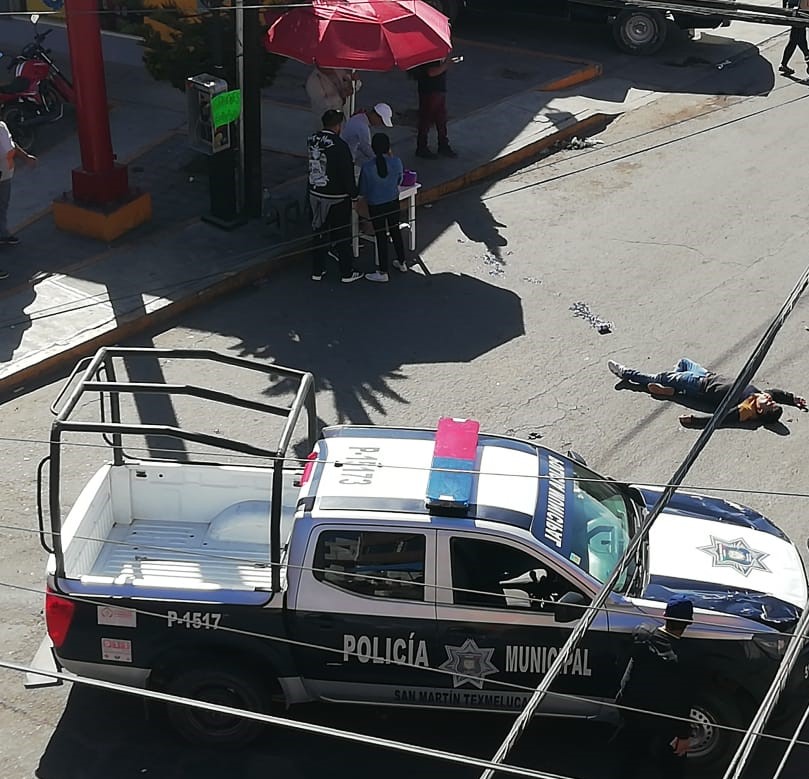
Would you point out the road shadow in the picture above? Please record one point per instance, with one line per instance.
(358, 340)
(14, 320)
(102, 734)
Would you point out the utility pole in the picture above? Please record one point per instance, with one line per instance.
(251, 83)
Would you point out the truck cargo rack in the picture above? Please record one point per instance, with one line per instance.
(97, 375)
(727, 10)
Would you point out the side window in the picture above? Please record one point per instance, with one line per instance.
(376, 564)
(483, 574)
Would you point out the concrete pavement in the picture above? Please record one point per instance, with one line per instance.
(66, 295)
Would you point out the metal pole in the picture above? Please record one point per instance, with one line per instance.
(251, 108)
(796, 644)
(743, 379)
(239, 24)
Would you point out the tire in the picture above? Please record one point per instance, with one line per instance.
(51, 99)
(640, 31)
(14, 116)
(223, 686)
(712, 747)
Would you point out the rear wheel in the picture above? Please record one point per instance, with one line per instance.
(226, 687)
(639, 30)
(51, 99)
(23, 134)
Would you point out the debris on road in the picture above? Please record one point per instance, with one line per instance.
(582, 310)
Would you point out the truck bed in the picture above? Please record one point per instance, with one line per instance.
(188, 526)
(162, 553)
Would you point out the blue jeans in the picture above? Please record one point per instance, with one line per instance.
(685, 379)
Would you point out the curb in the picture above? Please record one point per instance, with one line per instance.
(37, 373)
(34, 374)
(591, 123)
(589, 72)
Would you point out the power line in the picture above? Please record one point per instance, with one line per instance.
(160, 291)
(269, 719)
(214, 556)
(302, 461)
(742, 380)
(402, 663)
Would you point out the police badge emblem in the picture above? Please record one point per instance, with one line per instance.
(735, 554)
(469, 663)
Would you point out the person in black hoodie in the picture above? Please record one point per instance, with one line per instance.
(656, 682)
(754, 406)
(332, 192)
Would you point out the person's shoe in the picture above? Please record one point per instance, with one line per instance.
(447, 151)
(616, 368)
(9, 240)
(318, 276)
(786, 70)
(660, 390)
(402, 266)
(355, 276)
(426, 154)
(377, 276)
(3, 274)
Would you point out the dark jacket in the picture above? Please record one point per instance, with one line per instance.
(331, 169)
(655, 681)
(715, 387)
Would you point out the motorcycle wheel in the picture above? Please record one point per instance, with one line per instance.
(51, 99)
(22, 133)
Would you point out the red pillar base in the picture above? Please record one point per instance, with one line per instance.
(109, 186)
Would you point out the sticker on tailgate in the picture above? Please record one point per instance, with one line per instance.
(117, 649)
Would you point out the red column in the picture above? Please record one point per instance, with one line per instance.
(100, 180)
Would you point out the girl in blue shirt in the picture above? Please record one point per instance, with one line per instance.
(379, 185)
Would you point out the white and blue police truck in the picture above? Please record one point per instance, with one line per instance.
(394, 567)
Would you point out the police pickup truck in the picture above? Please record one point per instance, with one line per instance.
(394, 566)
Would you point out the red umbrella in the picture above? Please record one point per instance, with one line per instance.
(361, 35)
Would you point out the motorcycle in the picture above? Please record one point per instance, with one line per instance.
(38, 92)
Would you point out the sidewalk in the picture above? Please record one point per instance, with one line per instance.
(67, 295)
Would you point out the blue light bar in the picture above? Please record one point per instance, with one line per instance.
(456, 445)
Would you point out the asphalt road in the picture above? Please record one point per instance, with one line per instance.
(686, 228)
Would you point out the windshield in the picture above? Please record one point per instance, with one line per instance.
(586, 519)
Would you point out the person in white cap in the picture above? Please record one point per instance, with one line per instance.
(357, 131)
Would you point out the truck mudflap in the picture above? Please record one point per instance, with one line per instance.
(44, 660)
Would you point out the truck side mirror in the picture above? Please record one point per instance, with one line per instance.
(569, 607)
(576, 457)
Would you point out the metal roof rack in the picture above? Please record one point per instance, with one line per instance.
(97, 375)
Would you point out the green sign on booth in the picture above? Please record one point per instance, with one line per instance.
(226, 108)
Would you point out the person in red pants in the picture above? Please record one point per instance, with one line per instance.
(432, 86)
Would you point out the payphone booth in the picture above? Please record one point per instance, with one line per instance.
(216, 143)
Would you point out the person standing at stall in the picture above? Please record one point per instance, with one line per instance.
(328, 90)
(432, 87)
(379, 185)
(332, 193)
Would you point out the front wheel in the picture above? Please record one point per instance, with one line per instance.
(640, 31)
(225, 687)
(23, 133)
(711, 745)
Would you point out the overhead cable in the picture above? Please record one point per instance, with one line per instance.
(742, 380)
